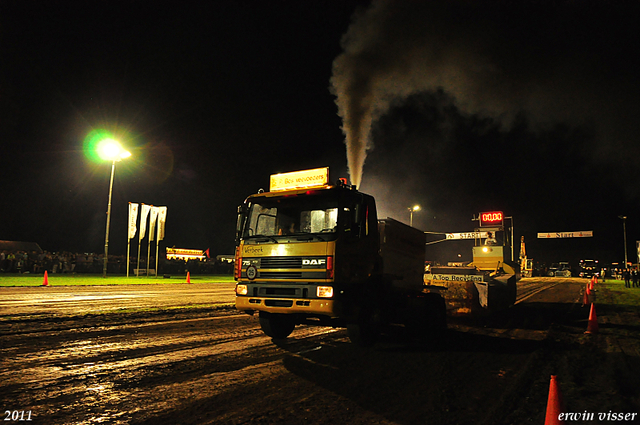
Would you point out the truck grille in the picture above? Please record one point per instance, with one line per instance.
(281, 275)
(281, 262)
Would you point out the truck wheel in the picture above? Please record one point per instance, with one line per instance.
(364, 330)
(433, 318)
(277, 326)
(438, 314)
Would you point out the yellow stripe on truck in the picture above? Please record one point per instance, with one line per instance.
(288, 249)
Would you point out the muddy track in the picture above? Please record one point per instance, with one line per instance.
(214, 365)
(82, 365)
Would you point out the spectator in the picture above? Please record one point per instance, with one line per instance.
(627, 277)
(491, 240)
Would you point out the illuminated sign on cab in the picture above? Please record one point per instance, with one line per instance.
(299, 179)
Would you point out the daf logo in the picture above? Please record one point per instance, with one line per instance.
(314, 262)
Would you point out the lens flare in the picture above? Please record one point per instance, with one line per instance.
(94, 144)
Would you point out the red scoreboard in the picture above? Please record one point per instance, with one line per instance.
(491, 218)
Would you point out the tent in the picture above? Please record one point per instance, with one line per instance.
(15, 246)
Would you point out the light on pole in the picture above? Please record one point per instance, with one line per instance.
(110, 149)
(624, 231)
(411, 210)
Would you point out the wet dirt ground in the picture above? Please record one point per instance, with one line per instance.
(138, 355)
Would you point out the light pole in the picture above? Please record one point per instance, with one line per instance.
(411, 210)
(624, 230)
(111, 150)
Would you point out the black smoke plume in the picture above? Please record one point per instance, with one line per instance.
(550, 61)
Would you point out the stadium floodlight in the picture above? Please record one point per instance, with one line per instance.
(111, 150)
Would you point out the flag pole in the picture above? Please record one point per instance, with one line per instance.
(138, 268)
(152, 228)
(133, 214)
(144, 213)
(157, 242)
(148, 253)
(162, 217)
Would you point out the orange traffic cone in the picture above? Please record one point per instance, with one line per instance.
(585, 299)
(554, 404)
(45, 282)
(592, 326)
(188, 278)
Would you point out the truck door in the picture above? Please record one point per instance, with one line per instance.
(357, 254)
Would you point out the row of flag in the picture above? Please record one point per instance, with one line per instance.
(155, 214)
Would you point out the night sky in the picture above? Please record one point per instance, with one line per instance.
(459, 106)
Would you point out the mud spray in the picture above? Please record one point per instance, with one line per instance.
(493, 59)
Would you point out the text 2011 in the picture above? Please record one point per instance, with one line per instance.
(17, 415)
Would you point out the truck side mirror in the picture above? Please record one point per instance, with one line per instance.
(346, 220)
(357, 221)
(241, 213)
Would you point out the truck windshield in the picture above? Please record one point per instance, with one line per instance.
(291, 216)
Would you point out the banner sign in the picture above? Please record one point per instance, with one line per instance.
(299, 179)
(144, 213)
(454, 277)
(583, 234)
(162, 218)
(152, 222)
(133, 218)
(468, 235)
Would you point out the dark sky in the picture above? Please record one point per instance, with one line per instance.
(474, 105)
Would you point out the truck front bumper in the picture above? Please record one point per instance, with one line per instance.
(311, 307)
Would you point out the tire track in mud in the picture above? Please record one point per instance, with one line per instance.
(82, 371)
(205, 366)
(52, 302)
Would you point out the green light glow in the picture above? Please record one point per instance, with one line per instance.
(91, 144)
(100, 145)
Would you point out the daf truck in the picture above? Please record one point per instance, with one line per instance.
(311, 252)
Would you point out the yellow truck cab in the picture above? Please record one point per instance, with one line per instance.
(310, 252)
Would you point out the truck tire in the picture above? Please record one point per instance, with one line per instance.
(428, 321)
(277, 326)
(365, 329)
(437, 314)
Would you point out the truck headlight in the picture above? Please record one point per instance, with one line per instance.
(324, 292)
(241, 290)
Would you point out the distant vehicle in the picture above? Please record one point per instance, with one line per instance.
(589, 268)
(561, 269)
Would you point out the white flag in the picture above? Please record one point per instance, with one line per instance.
(144, 213)
(162, 218)
(133, 218)
(152, 222)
